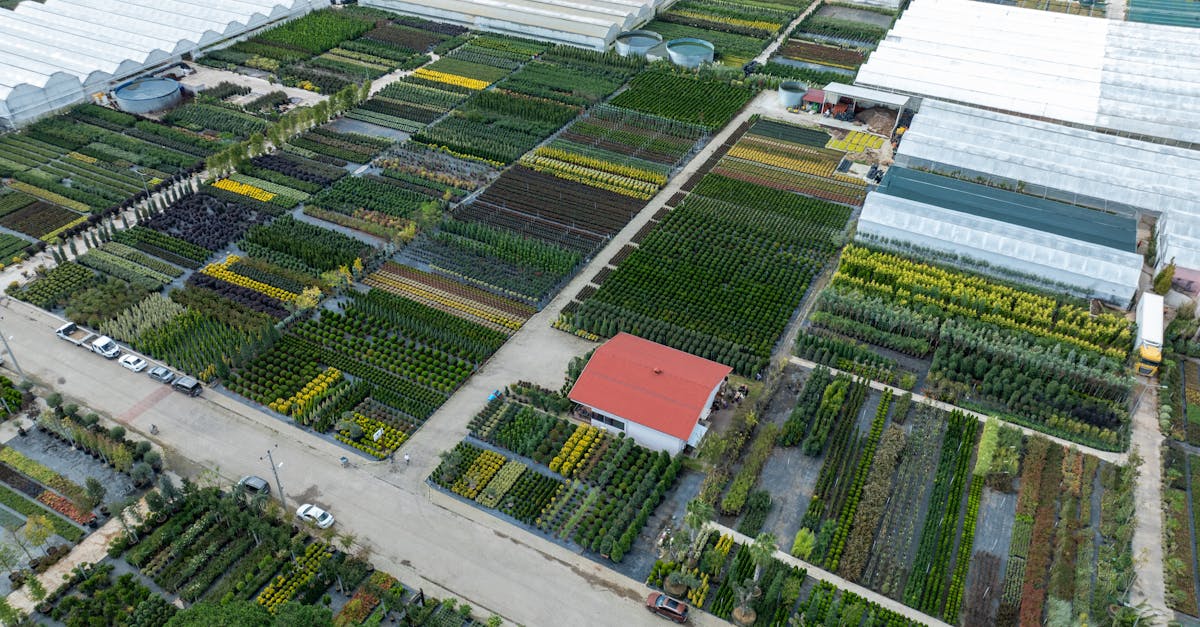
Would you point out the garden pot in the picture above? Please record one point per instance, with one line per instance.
(104, 510)
(674, 590)
(744, 616)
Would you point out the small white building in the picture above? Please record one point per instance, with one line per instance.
(657, 395)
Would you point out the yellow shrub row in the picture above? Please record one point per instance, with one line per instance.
(451, 79)
(221, 271)
(602, 165)
(249, 191)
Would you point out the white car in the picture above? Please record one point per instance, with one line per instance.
(134, 363)
(315, 515)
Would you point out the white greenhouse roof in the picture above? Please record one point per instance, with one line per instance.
(55, 53)
(1153, 177)
(1096, 271)
(1138, 79)
(585, 23)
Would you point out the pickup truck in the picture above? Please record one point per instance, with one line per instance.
(75, 335)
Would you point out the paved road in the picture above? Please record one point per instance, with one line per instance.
(1146, 441)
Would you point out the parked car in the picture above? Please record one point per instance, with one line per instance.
(665, 606)
(162, 374)
(255, 484)
(315, 515)
(134, 363)
(106, 347)
(188, 386)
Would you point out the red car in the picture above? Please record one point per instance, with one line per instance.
(665, 606)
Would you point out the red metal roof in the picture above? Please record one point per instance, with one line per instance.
(653, 385)
(814, 95)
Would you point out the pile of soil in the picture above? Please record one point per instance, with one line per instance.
(879, 119)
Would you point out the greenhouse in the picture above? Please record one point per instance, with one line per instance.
(593, 24)
(1090, 270)
(1169, 12)
(1132, 78)
(1071, 165)
(60, 52)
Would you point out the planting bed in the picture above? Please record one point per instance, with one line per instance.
(403, 354)
(823, 54)
(784, 157)
(705, 103)
(446, 291)
(583, 486)
(497, 126)
(897, 501)
(981, 335)
(699, 282)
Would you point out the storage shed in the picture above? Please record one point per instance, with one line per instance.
(657, 395)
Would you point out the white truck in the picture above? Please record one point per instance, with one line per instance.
(1149, 339)
(75, 334)
(99, 344)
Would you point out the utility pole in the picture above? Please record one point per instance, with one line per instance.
(11, 356)
(275, 471)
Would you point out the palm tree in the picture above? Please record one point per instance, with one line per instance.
(761, 552)
(745, 592)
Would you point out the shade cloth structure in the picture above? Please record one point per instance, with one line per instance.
(58, 53)
(586, 23)
(1098, 170)
(1139, 80)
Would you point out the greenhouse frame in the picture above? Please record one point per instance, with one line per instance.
(1071, 165)
(1088, 269)
(590, 24)
(1134, 79)
(60, 52)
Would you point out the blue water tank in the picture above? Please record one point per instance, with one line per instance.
(146, 95)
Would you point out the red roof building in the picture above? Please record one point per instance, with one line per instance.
(653, 393)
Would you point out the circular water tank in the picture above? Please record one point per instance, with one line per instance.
(636, 43)
(690, 52)
(791, 93)
(144, 95)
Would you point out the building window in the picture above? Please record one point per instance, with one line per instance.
(612, 422)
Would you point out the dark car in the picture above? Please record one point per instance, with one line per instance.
(255, 484)
(665, 606)
(188, 386)
(162, 374)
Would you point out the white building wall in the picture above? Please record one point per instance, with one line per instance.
(643, 435)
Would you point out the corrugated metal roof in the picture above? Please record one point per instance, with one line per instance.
(653, 385)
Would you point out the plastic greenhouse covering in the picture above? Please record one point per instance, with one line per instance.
(1068, 164)
(1137, 79)
(57, 53)
(586, 23)
(1093, 270)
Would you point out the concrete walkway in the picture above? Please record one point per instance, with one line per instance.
(1108, 456)
(821, 574)
(93, 549)
(1150, 586)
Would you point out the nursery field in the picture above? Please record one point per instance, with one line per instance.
(618, 150)
(719, 275)
(235, 550)
(973, 523)
(497, 126)
(708, 104)
(542, 206)
(388, 359)
(84, 162)
(1035, 359)
(843, 57)
(327, 50)
(791, 158)
(579, 483)
(739, 30)
(841, 25)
